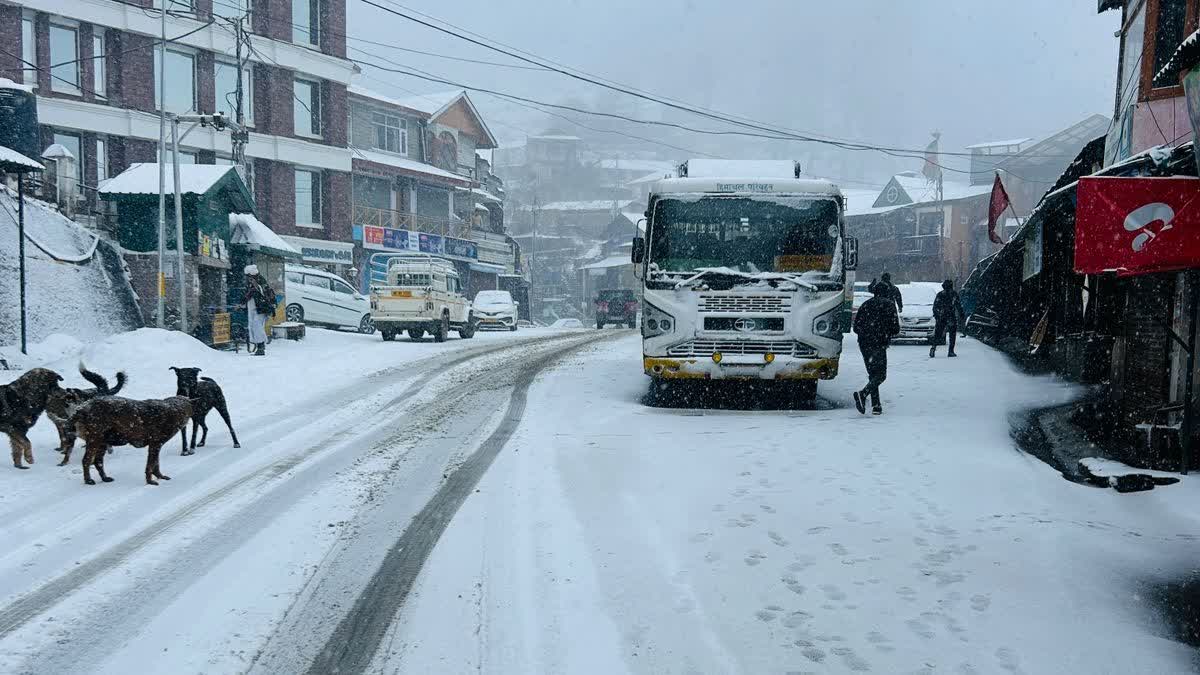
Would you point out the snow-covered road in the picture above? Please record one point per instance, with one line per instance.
(512, 504)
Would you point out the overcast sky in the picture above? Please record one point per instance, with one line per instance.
(881, 71)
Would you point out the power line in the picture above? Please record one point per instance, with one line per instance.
(515, 53)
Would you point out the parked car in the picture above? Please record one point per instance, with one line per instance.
(422, 294)
(319, 298)
(862, 291)
(916, 321)
(495, 309)
(618, 306)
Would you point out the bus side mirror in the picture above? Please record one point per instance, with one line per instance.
(639, 250)
(851, 254)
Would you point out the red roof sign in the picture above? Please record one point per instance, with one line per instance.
(1137, 225)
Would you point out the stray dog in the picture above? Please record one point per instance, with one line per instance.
(21, 404)
(111, 420)
(64, 401)
(206, 395)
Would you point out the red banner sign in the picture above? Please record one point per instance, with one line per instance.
(1137, 225)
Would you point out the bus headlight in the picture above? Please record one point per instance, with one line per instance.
(656, 322)
(828, 325)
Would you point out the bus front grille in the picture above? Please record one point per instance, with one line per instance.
(774, 304)
(709, 347)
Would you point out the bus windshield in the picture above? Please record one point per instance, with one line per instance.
(747, 234)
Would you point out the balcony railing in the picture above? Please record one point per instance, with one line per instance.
(921, 245)
(402, 220)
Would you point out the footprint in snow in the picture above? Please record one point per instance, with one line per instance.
(754, 557)
(796, 619)
(777, 538)
(852, 660)
(921, 628)
(813, 654)
(838, 549)
(816, 530)
(767, 507)
(1007, 659)
(980, 603)
(833, 592)
(766, 615)
(712, 557)
(700, 537)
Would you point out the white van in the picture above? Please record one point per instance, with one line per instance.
(320, 298)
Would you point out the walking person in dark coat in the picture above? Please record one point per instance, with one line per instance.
(948, 317)
(876, 323)
(893, 291)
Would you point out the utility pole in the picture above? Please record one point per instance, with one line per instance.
(180, 277)
(239, 137)
(533, 242)
(162, 167)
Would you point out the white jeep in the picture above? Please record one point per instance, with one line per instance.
(422, 295)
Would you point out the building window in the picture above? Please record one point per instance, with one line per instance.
(101, 160)
(99, 65)
(72, 143)
(28, 51)
(231, 9)
(307, 107)
(391, 133)
(306, 22)
(308, 198)
(64, 59)
(1172, 14)
(225, 75)
(181, 81)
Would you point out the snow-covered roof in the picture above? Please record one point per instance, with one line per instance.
(251, 231)
(555, 137)
(486, 196)
(431, 104)
(649, 178)
(365, 92)
(409, 165)
(921, 190)
(6, 83)
(657, 166)
(741, 168)
(11, 160)
(480, 207)
(592, 205)
(998, 144)
(142, 179)
(610, 261)
(57, 151)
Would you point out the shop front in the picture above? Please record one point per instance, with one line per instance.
(332, 256)
(379, 242)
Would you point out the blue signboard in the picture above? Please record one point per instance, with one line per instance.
(461, 248)
(431, 243)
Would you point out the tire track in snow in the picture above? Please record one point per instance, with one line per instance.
(352, 646)
(29, 606)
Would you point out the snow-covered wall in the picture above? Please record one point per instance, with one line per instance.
(75, 285)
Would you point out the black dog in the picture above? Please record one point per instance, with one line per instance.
(63, 402)
(206, 394)
(21, 404)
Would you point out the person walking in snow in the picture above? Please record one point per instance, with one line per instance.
(876, 323)
(948, 316)
(260, 305)
(893, 291)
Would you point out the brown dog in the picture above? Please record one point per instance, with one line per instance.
(63, 402)
(112, 420)
(21, 403)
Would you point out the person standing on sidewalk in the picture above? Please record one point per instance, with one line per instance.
(948, 316)
(893, 292)
(876, 323)
(260, 305)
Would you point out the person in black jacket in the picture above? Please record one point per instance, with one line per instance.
(876, 323)
(893, 291)
(948, 316)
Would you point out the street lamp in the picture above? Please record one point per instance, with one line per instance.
(12, 161)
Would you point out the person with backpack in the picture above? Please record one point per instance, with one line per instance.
(948, 317)
(876, 323)
(260, 305)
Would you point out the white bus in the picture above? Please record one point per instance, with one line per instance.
(747, 275)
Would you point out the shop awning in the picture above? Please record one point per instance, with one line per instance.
(1137, 226)
(254, 234)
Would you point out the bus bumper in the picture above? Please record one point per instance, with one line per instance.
(740, 368)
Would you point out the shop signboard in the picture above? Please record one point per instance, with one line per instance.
(220, 328)
(1137, 225)
(209, 246)
(322, 252)
(389, 239)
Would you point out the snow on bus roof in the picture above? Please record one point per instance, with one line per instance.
(754, 185)
(730, 168)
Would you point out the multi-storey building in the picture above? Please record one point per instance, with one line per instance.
(95, 64)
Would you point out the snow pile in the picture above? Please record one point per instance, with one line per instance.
(75, 285)
(55, 347)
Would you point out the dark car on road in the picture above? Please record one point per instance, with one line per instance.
(618, 306)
